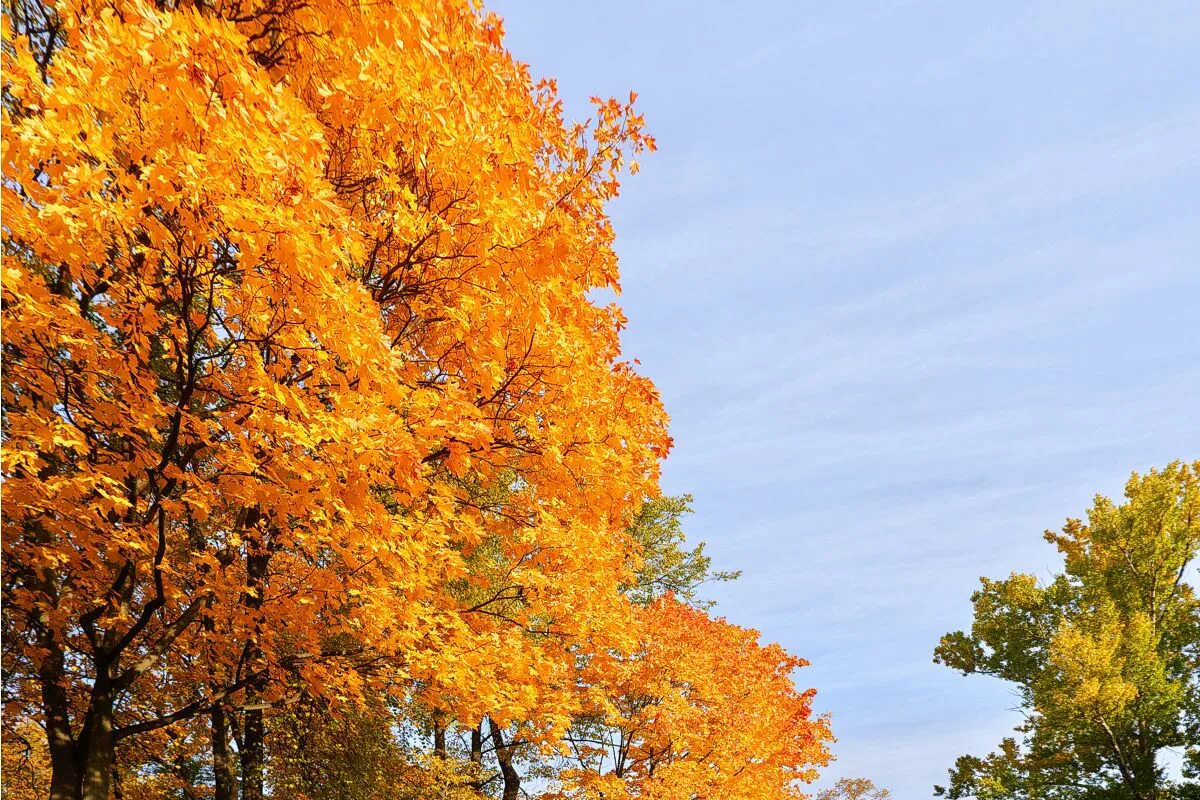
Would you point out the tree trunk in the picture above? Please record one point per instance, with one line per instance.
(439, 737)
(504, 755)
(64, 781)
(253, 751)
(253, 755)
(477, 756)
(224, 769)
(96, 748)
(64, 769)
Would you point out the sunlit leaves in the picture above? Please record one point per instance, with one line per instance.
(1104, 656)
(288, 291)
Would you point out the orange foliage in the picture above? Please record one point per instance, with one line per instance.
(24, 762)
(700, 710)
(305, 395)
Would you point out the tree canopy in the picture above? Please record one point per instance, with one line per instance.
(1105, 656)
(323, 472)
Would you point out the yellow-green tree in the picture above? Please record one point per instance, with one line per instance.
(1105, 657)
(854, 789)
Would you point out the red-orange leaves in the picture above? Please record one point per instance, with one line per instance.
(305, 402)
(700, 710)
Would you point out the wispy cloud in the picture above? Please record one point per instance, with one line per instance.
(1012, 191)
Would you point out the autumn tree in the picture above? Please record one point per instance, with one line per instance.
(510, 745)
(360, 752)
(323, 475)
(854, 789)
(533, 665)
(24, 762)
(285, 283)
(1105, 656)
(699, 709)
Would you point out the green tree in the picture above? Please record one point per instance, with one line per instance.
(1105, 656)
(667, 566)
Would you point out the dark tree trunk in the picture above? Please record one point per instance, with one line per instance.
(477, 755)
(96, 748)
(253, 750)
(64, 769)
(253, 755)
(224, 769)
(504, 755)
(80, 768)
(439, 738)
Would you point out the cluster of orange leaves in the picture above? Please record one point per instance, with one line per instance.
(305, 392)
(698, 709)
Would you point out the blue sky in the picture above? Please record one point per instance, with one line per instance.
(915, 281)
